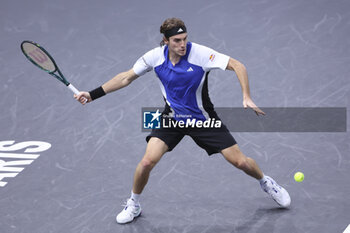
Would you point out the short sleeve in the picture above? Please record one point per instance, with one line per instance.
(208, 58)
(148, 61)
(141, 67)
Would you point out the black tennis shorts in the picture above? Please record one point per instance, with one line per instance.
(213, 140)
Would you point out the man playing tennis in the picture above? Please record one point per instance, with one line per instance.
(182, 68)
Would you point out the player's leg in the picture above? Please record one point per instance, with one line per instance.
(234, 156)
(156, 148)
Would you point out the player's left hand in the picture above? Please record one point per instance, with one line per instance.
(248, 103)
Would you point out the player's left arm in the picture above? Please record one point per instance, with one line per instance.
(242, 76)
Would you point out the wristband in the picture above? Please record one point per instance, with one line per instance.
(97, 93)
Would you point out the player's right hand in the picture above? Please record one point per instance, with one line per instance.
(83, 97)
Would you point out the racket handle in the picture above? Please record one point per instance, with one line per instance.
(72, 88)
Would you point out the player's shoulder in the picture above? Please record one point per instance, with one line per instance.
(199, 51)
(154, 57)
(199, 54)
(207, 57)
(199, 48)
(155, 52)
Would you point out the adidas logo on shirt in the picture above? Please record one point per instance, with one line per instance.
(189, 69)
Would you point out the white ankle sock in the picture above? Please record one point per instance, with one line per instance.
(135, 197)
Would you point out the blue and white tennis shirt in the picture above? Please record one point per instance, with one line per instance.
(185, 85)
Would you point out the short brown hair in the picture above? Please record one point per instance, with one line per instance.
(169, 24)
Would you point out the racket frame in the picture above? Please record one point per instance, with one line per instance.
(59, 77)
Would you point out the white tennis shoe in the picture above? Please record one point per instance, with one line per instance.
(129, 213)
(276, 192)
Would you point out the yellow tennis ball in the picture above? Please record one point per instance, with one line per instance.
(299, 177)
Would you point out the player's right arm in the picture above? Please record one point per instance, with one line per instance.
(121, 80)
(143, 65)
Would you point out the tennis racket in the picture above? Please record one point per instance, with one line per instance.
(42, 59)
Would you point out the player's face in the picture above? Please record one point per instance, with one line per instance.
(177, 44)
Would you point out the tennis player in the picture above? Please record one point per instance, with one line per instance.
(182, 68)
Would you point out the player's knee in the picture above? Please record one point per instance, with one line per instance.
(236, 158)
(147, 164)
(241, 163)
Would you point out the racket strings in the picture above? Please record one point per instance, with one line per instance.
(38, 56)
